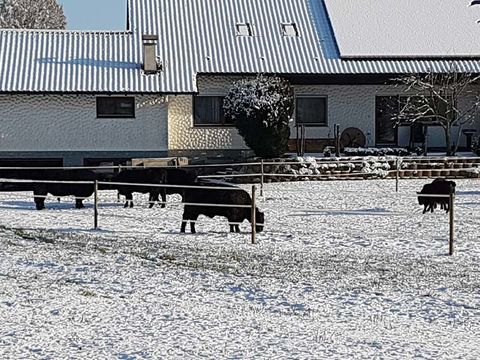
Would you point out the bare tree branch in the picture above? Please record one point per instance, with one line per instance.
(435, 99)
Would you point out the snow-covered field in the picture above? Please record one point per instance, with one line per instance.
(343, 270)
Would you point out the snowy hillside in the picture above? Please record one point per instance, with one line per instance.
(342, 270)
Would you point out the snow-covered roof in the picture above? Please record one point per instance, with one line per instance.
(202, 37)
(405, 28)
(199, 37)
(71, 61)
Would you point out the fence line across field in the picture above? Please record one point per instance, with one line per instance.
(399, 163)
(27, 181)
(204, 187)
(332, 160)
(253, 213)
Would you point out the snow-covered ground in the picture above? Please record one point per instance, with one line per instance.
(342, 270)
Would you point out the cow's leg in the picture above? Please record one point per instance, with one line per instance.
(237, 228)
(79, 203)
(39, 199)
(232, 228)
(193, 221)
(163, 192)
(151, 199)
(185, 219)
(425, 207)
(189, 215)
(129, 200)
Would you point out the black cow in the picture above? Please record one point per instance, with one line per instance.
(41, 190)
(437, 187)
(176, 177)
(235, 215)
(141, 176)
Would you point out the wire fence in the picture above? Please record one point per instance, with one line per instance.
(262, 176)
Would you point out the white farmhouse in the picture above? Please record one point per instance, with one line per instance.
(156, 89)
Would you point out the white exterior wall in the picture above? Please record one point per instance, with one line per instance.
(69, 123)
(347, 105)
(184, 136)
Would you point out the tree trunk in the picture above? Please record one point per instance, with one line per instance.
(455, 148)
(448, 140)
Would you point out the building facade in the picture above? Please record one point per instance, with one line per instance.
(156, 89)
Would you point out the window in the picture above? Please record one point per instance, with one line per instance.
(311, 111)
(208, 111)
(244, 29)
(386, 109)
(289, 29)
(116, 107)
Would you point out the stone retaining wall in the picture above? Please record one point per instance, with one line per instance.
(301, 169)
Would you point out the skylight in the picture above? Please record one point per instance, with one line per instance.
(244, 29)
(289, 29)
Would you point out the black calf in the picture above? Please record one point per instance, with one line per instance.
(235, 215)
(437, 187)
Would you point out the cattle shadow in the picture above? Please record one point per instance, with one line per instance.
(30, 205)
(467, 193)
(79, 230)
(332, 212)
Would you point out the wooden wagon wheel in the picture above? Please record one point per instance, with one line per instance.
(352, 137)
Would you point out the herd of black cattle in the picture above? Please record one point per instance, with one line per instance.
(204, 192)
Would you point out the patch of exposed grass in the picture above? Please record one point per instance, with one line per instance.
(86, 292)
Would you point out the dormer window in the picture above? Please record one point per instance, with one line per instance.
(289, 29)
(244, 29)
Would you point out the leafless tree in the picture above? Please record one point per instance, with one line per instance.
(448, 99)
(32, 14)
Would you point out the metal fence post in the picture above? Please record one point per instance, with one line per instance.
(253, 217)
(261, 179)
(452, 219)
(119, 171)
(337, 140)
(302, 145)
(397, 174)
(95, 206)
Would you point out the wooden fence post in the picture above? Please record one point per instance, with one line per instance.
(95, 205)
(337, 140)
(452, 219)
(253, 217)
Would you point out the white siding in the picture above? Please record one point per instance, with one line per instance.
(69, 123)
(184, 136)
(348, 105)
